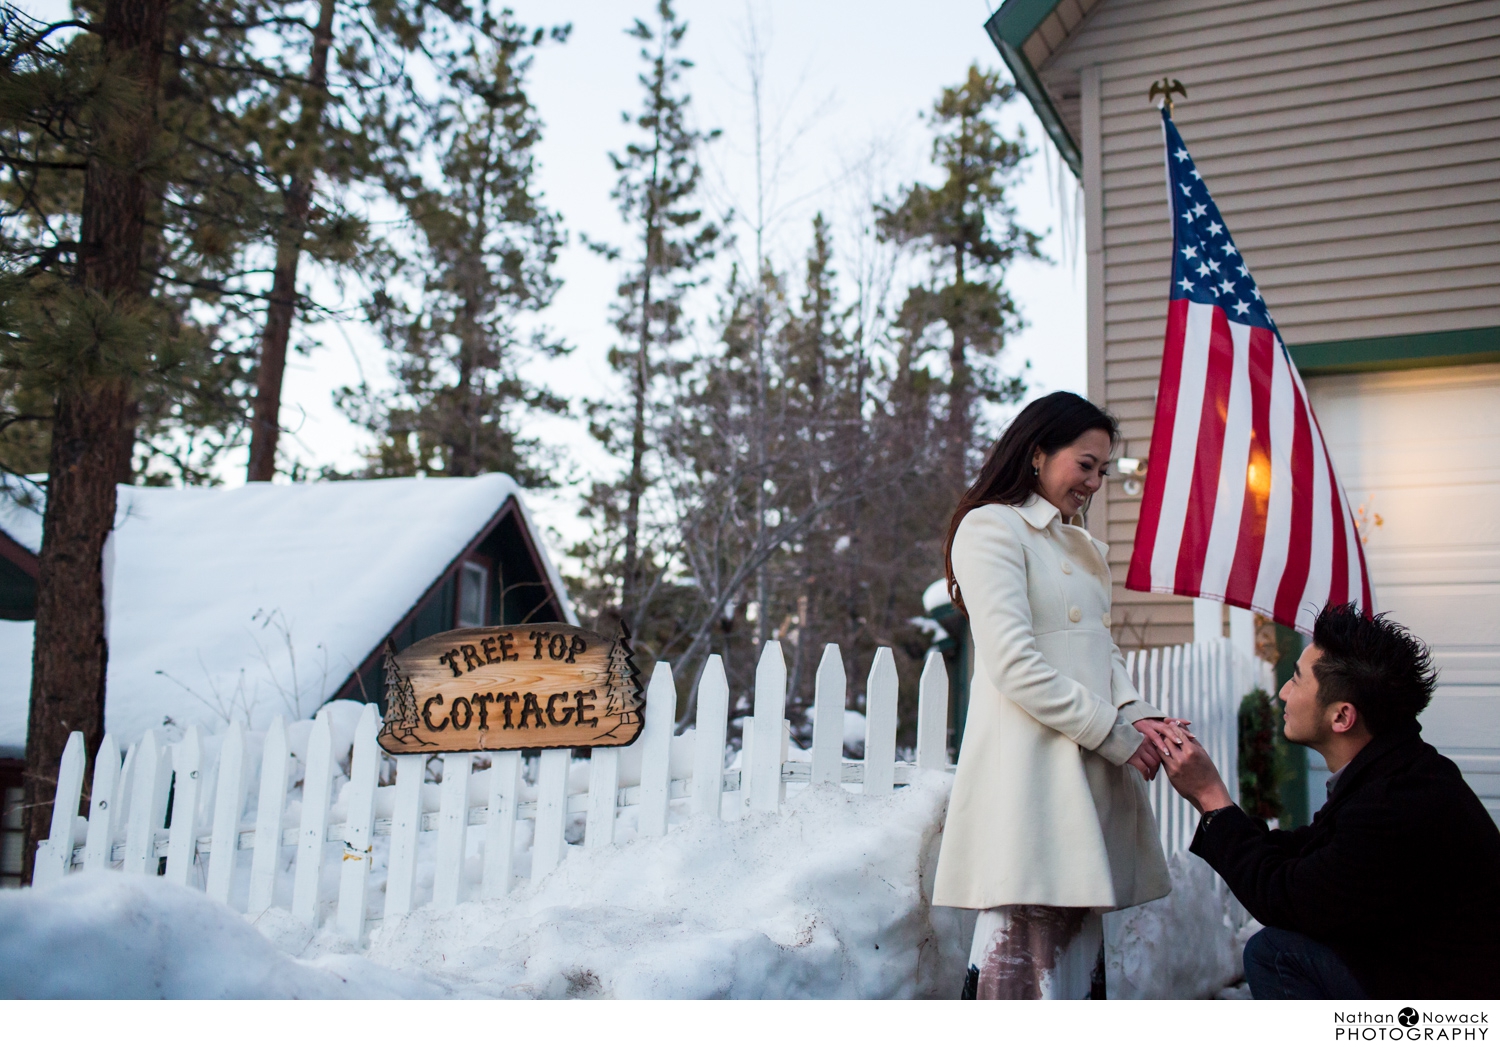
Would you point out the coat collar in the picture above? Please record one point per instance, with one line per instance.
(1039, 513)
(1382, 745)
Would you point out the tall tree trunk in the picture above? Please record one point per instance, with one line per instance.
(463, 458)
(265, 428)
(640, 388)
(960, 394)
(630, 584)
(92, 417)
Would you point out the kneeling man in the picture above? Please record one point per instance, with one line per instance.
(1394, 888)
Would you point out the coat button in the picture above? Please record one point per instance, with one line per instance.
(1105, 618)
(1067, 567)
(1075, 614)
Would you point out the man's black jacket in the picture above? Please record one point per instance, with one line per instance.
(1399, 873)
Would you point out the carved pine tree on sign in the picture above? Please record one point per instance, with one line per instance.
(401, 715)
(624, 696)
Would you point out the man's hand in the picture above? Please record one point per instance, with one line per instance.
(1191, 771)
(1147, 757)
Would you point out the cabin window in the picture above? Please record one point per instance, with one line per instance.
(473, 594)
(12, 831)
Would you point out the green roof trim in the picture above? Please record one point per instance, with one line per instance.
(1464, 346)
(1010, 28)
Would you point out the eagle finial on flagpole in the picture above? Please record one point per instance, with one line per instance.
(1166, 87)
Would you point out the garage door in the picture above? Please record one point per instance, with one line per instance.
(1421, 449)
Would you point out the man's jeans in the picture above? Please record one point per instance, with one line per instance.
(1280, 964)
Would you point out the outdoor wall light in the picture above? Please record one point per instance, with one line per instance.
(1132, 470)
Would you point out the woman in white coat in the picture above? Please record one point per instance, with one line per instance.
(1049, 825)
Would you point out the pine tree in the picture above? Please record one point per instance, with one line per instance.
(967, 228)
(658, 182)
(316, 129)
(488, 250)
(133, 200)
(77, 324)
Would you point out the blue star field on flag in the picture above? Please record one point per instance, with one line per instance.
(1206, 265)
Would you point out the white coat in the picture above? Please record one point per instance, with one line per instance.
(1044, 809)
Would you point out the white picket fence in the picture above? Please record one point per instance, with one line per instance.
(1203, 683)
(214, 829)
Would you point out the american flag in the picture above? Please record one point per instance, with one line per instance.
(1242, 503)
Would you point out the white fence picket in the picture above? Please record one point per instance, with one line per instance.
(880, 724)
(932, 713)
(317, 786)
(766, 787)
(126, 788)
(453, 827)
(148, 805)
(604, 787)
(406, 827)
(103, 807)
(551, 810)
(269, 813)
(747, 762)
(55, 856)
(708, 744)
(500, 821)
(364, 771)
(830, 695)
(187, 784)
(229, 801)
(656, 753)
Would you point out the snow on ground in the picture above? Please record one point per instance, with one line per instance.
(113, 936)
(1186, 945)
(827, 899)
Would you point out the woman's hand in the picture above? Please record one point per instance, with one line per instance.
(1157, 732)
(1146, 759)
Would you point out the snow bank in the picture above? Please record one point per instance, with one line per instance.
(1185, 946)
(830, 898)
(113, 936)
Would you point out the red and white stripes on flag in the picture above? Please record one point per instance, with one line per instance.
(1242, 504)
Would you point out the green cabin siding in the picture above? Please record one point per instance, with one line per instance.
(519, 592)
(17, 592)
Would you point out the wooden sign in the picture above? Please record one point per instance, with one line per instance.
(503, 688)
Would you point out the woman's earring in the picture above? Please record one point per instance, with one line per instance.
(1035, 472)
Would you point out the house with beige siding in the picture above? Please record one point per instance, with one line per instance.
(1354, 150)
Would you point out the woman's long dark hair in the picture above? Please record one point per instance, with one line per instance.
(1048, 423)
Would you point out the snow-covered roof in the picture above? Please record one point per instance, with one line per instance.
(15, 685)
(265, 598)
(936, 595)
(21, 512)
